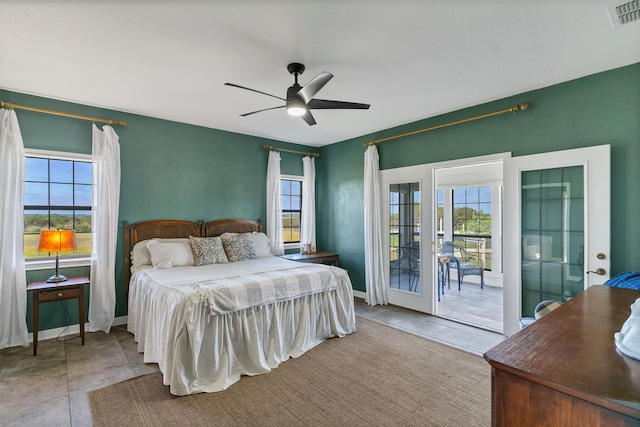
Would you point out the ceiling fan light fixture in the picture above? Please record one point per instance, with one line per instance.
(296, 107)
(296, 111)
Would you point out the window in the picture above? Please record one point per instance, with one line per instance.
(58, 194)
(291, 193)
(472, 221)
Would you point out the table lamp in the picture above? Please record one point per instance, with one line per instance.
(57, 241)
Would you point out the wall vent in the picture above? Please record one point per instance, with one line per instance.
(624, 13)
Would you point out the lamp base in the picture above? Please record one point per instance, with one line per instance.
(56, 278)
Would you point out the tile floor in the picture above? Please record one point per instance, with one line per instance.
(455, 334)
(473, 305)
(51, 389)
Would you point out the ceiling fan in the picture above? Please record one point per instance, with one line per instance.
(300, 99)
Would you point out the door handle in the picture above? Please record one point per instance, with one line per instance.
(599, 271)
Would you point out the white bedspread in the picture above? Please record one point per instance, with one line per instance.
(206, 326)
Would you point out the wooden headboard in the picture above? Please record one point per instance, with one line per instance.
(221, 226)
(176, 228)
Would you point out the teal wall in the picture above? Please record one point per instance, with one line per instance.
(168, 170)
(598, 109)
(174, 170)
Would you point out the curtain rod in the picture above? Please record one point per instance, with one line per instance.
(519, 107)
(10, 106)
(271, 147)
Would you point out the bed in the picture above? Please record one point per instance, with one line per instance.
(207, 324)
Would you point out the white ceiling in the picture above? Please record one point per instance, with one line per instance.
(409, 59)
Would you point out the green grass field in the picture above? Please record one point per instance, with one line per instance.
(83, 244)
(291, 234)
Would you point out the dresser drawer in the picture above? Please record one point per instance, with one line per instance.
(59, 294)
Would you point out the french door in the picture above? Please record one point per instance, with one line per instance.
(409, 230)
(408, 238)
(556, 227)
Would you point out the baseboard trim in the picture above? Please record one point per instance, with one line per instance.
(70, 330)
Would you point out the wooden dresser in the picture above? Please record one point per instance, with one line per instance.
(565, 370)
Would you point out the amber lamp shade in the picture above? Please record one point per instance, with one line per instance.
(57, 241)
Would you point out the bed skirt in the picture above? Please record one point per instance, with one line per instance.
(199, 353)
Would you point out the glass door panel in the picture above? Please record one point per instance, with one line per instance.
(552, 266)
(404, 236)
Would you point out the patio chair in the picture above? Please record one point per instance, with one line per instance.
(465, 264)
(409, 261)
(413, 251)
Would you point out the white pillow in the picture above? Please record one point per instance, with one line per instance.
(140, 255)
(261, 244)
(170, 254)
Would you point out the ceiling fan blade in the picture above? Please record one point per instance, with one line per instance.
(314, 86)
(326, 104)
(259, 111)
(307, 117)
(253, 90)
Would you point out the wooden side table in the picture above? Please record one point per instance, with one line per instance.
(45, 291)
(329, 258)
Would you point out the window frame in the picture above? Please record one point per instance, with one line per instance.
(299, 178)
(65, 261)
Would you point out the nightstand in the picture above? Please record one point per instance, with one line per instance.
(328, 258)
(45, 292)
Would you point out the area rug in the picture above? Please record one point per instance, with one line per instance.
(377, 376)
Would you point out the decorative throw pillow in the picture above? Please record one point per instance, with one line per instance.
(208, 250)
(261, 244)
(238, 247)
(170, 254)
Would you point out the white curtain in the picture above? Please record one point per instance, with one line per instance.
(106, 199)
(373, 247)
(308, 220)
(13, 279)
(274, 208)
